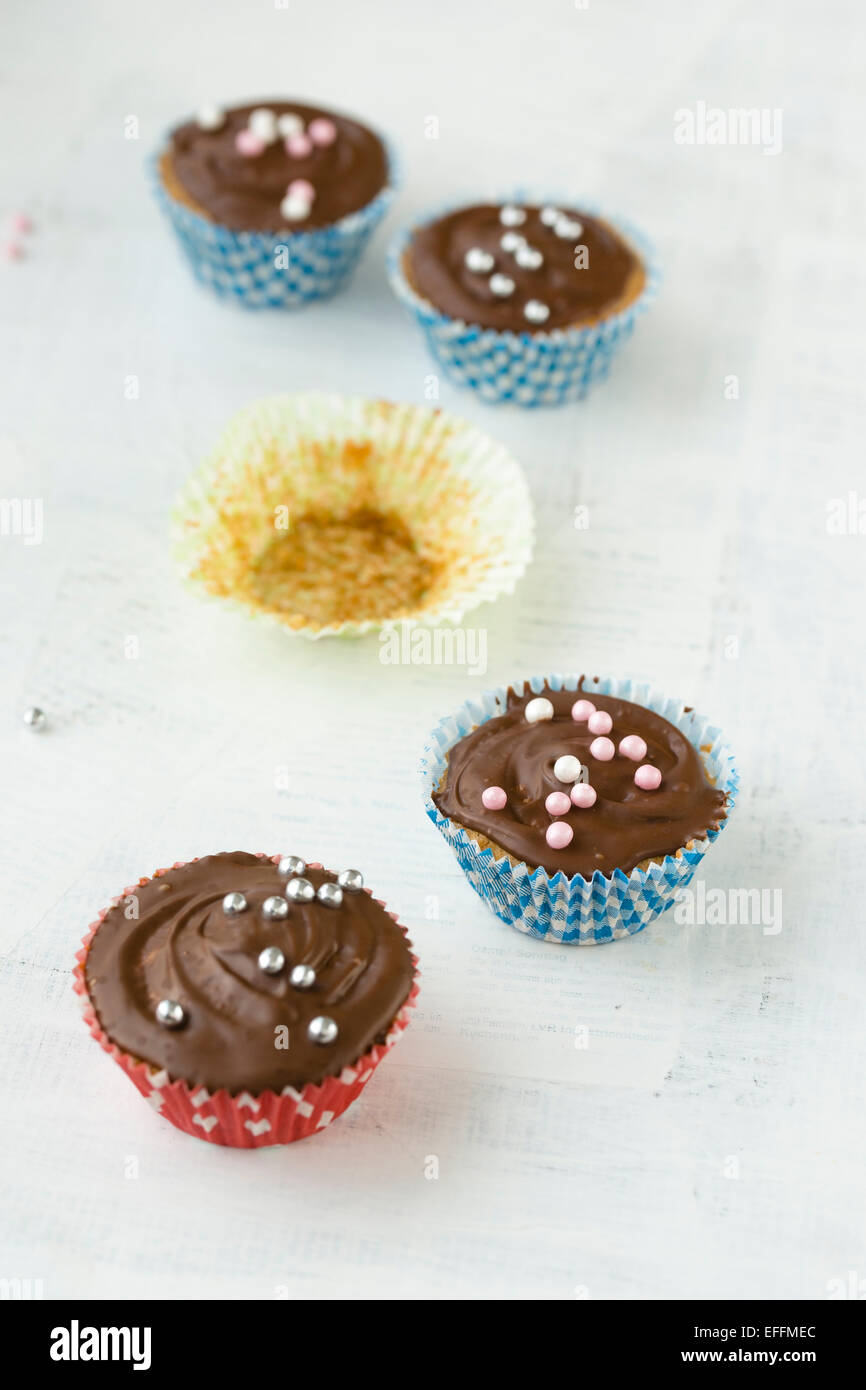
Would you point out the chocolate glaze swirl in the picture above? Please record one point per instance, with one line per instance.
(435, 266)
(182, 946)
(245, 193)
(625, 826)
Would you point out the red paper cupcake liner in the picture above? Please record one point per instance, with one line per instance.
(244, 1121)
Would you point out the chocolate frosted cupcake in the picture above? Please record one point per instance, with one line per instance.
(576, 811)
(273, 202)
(523, 301)
(249, 999)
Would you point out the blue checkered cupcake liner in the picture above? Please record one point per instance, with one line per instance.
(273, 270)
(575, 911)
(528, 369)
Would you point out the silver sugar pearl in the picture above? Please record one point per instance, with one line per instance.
(478, 260)
(291, 865)
(351, 880)
(535, 311)
(322, 1030)
(303, 976)
(568, 229)
(34, 717)
(169, 1013)
(275, 908)
(528, 258)
(549, 215)
(300, 890)
(271, 960)
(330, 895)
(511, 241)
(511, 216)
(233, 903)
(501, 285)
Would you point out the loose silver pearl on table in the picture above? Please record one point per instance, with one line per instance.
(510, 216)
(351, 880)
(233, 903)
(535, 311)
(291, 864)
(550, 215)
(303, 976)
(330, 895)
(169, 1013)
(510, 241)
(501, 285)
(300, 890)
(271, 960)
(34, 717)
(478, 260)
(528, 258)
(322, 1030)
(568, 229)
(275, 908)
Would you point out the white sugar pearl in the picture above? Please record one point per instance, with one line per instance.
(289, 124)
(566, 768)
(568, 229)
(478, 260)
(263, 123)
(510, 241)
(502, 285)
(535, 311)
(510, 216)
(528, 258)
(210, 117)
(294, 208)
(538, 709)
(550, 215)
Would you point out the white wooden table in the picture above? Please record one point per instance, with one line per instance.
(708, 1139)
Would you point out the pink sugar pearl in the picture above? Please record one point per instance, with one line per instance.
(301, 188)
(603, 749)
(559, 834)
(648, 778)
(12, 251)
(583, 795)
(582, 709)
(248, 144)
(633, 746)
(557, 803)
(322, 131)
(600, 722)
(299, 146)
(20, 222)
(493, 798)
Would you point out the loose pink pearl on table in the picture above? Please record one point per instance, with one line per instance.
(648, 778)
(583, 795)
(322, 131)
(12, 251)
(582, 709)
(600, 722)
(249, 144)
(301, 188)
(559, 834)
(299, 146)
(603, 749)
(557, 803)
(633, 746)
(493, 798)
(20, 222)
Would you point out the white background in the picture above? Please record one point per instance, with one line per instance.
(607, 1172)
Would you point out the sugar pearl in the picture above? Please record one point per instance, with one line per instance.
(583, 795)
(648, 778)
(528, 258)
(501, 285)
(568, 229)
(479, 261)
(559, 834)
(210, 117)
(600, 722)
(295, 209)
(582, 709)
(549, 215)
(299, 146)
(511, 241)
(603, 749)
(535, 311)
(557, 804)
(263, 123)
(322, 131)
(249, 144)
(493, 798)
(511, 216)
(633, 746)
(566, 768)
(539, 708)
(301, 188)
(290, 123)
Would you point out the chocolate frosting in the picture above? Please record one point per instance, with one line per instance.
(435, 266)
(245, 193)
(625, 826)
(182, 946)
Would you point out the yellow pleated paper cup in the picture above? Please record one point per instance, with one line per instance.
(336, 516)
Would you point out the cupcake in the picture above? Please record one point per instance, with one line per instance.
(335, 516)
(273, 203)
(524, 302)
(248, 998)
(578, 809)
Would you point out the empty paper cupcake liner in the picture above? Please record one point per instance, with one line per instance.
(529, 369)
(460, 499)
(242, 1121)
(575, 911)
